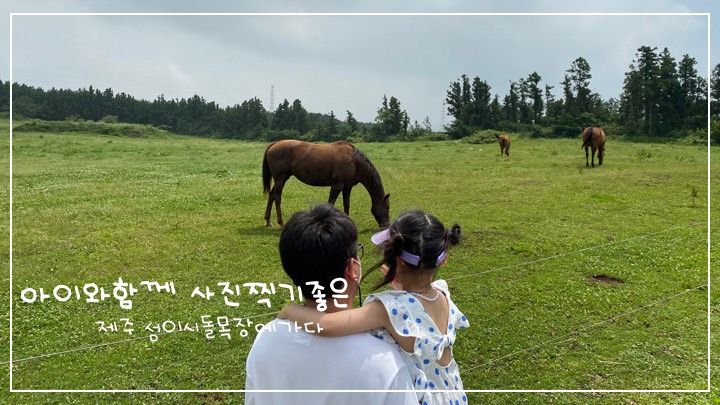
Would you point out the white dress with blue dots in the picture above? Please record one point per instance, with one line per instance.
(408, 318)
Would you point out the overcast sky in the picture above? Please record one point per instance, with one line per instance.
(339, 63)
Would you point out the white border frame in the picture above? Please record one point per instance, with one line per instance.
(709, 69)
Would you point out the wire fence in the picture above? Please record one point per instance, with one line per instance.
(568, 336)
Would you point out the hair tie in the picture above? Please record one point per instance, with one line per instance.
(414, 260)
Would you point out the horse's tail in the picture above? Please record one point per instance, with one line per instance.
(587, 139)
(266, 175)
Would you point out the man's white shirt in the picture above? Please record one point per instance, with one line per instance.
(283, 358)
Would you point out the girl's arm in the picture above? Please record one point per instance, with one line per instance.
(341, 323)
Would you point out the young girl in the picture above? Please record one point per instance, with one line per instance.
(418, 315)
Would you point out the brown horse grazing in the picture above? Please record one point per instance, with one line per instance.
(594, 138)
(504, 141)
(338, 165)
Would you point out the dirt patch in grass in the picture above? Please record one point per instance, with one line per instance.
(604, 279)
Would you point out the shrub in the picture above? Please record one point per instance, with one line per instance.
(565, 131)
(434, 136)
(696, 137)
(483, 136)
(130, 130)
(457, 131)
(533, 130)
(110, 119)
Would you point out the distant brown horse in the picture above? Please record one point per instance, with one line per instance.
(338, 165)
(594, 138)
(504, 141)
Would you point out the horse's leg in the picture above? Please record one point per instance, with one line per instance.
(346, 199)
(507, 151)
(279, 184)
(592, 159)
(271, 198)
(334, 193)
(587, 157)
(601, 155)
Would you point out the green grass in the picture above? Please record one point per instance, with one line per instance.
(92, 208)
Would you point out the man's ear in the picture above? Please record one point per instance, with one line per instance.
(352, 271)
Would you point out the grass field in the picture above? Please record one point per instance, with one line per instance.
(90, 208)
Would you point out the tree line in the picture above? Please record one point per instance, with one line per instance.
(248, 120)
(190, 116)
(660, 97)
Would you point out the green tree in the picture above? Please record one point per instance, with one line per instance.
(480, 105)
(405, 122)
(669, 98)
(332, 125)
(253, 118)
(351, 121)
(536, 97)
(495, 112)
(714, 91)
(693, 93)
(454, 101)
(391, 119)
(551, 106)
(426, 125)
(648, 70)
(395, 121)
(523, 106)
(631, 106)
(466, 97)
(283, 117)
(580, 77)
(568, 96)
(4, 96)
(25, 106)
(459, 101)
(299, 117)
(511, 104)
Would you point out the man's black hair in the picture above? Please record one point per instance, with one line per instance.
(315, 246)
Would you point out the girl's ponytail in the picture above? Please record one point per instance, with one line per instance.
(391, 250)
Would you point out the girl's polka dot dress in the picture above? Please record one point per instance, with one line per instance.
(408, 317)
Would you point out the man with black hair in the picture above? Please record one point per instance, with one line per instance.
(320, 245)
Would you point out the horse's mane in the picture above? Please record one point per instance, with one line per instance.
(368, 171)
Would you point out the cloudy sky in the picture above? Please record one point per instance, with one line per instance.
(339, 62)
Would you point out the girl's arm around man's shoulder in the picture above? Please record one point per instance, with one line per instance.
(341, 323)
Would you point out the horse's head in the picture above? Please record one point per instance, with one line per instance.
(381, 211)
